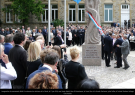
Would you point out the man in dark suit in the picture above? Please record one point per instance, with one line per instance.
(50, 62)
(36, 30)
(7, 31)
(118, 51)
(54, 32)
(108, 46)
(23, 30)
(8, 43)
(102, 42)
(18, 58)
(128, 24)
(3, 32)
(73, 36)
(44, 32)
(58, 40)
(67, 35)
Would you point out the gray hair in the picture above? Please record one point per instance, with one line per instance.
(125, 36)
(1, 36)
(9, 38)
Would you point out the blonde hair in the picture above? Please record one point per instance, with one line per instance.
(34, 51)
(74, 52)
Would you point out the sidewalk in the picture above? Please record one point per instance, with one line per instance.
(130, 84)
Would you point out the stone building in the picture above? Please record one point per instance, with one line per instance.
(110, 11)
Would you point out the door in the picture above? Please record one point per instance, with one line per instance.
(124, 14)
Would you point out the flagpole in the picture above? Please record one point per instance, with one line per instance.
(65, 21)
(48, 21)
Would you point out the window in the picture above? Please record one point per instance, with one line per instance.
(72, 13)
(9, 16)
(54, 12)
(108, 13)
(81, 11)
(45, 14)
(17, 19)
(125, 7)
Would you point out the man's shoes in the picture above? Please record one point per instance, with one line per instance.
(127, 67)
(108, 66)
(116, 67)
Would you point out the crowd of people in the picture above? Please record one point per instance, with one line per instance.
(35, 64)
(117, 42)
(28, 62)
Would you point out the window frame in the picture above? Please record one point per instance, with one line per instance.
(45, 9)
(54, 9)
(81, 13)
(71, 9)
(108, 9)
(9, 16)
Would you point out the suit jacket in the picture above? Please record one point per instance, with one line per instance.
(44, 32)
(7, 32)
(3, 33)
(54, 32)
(57, 40)
(118, 42)
(8, 47)
(125, 47)
(75, 72)
(108, 45)
(41, 69)
(18, 58)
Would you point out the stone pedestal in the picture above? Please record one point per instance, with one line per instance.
(91, 54)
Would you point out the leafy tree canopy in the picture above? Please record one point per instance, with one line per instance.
(22, 8)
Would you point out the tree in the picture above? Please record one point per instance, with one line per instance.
(22, 9)
(58, 22)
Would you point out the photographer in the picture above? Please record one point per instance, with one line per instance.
(61, 66)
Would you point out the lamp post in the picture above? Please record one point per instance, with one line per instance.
(65, 21)
(48, 21)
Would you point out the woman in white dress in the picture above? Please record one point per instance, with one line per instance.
(132, 41)
(69, 38)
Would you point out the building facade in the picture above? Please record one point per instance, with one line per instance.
(110, 11)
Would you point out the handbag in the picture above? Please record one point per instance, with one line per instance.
(61, 71)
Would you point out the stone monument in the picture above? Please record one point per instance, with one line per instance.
(91, 52)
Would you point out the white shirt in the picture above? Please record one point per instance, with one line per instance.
(47, 66)
(132, 38)
(70, 36)
(6, 75)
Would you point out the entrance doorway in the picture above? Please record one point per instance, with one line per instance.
(124, 14)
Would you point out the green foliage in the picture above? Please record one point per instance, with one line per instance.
(58, 22)
(22, 8)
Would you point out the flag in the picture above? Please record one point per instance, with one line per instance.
(96, 24)
(77, 1)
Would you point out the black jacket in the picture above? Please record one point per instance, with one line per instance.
(33, 66)
(75, 72)
(1, 33)
(118, 42)
(57, 40)
(18, 58)
(108, 45)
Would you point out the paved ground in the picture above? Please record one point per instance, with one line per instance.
(109, 77)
